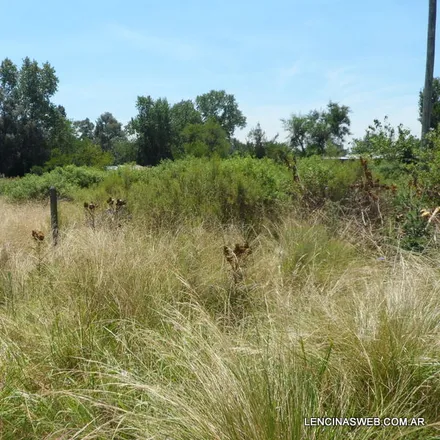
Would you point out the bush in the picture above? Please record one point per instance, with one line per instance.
(326, 179)
(243, 189)
(65, 180)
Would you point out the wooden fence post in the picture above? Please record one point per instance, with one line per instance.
(54, 215)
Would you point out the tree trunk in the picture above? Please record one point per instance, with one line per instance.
(429, 76)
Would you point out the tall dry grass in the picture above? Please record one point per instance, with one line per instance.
(145, 334)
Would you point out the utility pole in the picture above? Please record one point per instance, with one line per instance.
(429, 75)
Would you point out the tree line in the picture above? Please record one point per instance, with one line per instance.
(36, 135)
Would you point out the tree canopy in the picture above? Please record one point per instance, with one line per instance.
(152, 126)
(319, 132)
(36, 134)
(28, 117)
(223, 108)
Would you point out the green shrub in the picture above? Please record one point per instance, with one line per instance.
(65, 180)
(327, 179)
(243, 189)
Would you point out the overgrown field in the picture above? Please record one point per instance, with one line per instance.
(144, 324)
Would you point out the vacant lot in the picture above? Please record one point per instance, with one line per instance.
(135, 333)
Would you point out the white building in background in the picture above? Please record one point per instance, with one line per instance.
(117, 167)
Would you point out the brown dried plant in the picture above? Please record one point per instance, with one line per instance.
(90, 211)
(236, 258)
(368, 194)
(38, 236)
(115, 211)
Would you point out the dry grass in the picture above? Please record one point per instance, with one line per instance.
(134, 333)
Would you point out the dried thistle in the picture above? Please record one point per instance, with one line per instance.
(38, 235)
(235, 257)
(90, 212)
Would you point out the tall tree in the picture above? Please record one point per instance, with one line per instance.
(298, 127)
(152, 127)
(222, 107)
(318, 132)
(429, 74)
(9, 141)
(84, 129)
(256, 139)
(182, 114)
(28, 118)
(107, 129)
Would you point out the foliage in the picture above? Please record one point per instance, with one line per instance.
(124, 151)
(85, 153)
(435, 116)
(222, 107)
(278, 151)
(243, 189)
(182, 114)
(381, 139)
(28, 118)
(319, 132)
(257, 143)
(107, 130)
(152, 126)
(205, 140)
(66, 180)
(426, 174)
(84, 129)
(322, 180)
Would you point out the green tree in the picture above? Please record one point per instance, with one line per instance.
(319, 132)
(28, 118)
(85, 153)
(124, 151)
(107, 129)
(381, 139)
(182, 114)
(256, 140)
(278, 151)
(206, 140)
(240, 148)
(299, 128)
(62, 133)
(258, 144)
(223, 108)
(84, 129)
(337, 118)
(92, 155)
(152, 127)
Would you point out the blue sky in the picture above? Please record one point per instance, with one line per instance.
(277, 57)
